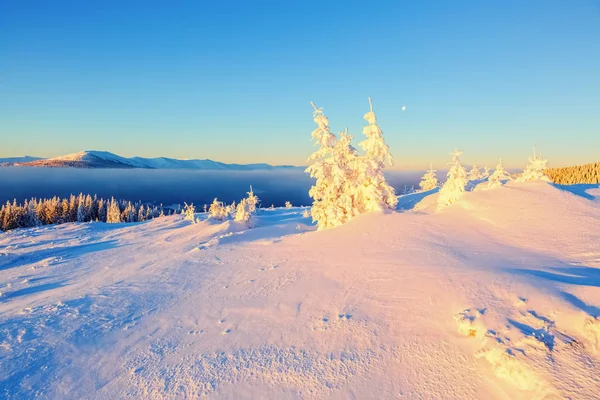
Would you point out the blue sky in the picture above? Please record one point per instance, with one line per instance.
(232, 81)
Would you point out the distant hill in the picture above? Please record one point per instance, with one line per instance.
(104, 159)
(11, 160)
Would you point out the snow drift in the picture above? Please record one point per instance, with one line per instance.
(497, 296)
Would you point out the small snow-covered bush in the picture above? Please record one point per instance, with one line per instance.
(499, 175)
(306, 213)
(429, 180)
(454, 187)
(189, 211)
(218, 211)
(474, 173)
(288, 204)
(535, 170)
(246, 209)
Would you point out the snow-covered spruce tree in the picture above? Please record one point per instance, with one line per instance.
(474, 173)
(243, 214)
(218, 211)
(189, 211)
(485, 173)
(288, 204)
(454, 187)
(253, 200)
(306, 213)
(535, 170)
(324, 192)
(499, 175)
(429, 181)
(113, 214)
(374, 193)
(232, 208)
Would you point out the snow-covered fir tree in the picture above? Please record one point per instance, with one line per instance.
(113, 215)
(535, 170)
(374, 192)
(253, 200)
(243, 213)
(232, 208)
(485, 173)
(325, 191)
(499, 176)
(190, 212)
(429, 181)
(218, 211)
(288, 204)
(306, 213)
(454, 187)
(474, 173)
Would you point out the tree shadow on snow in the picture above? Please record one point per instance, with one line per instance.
(583, 276)
(579, 190)
(409, 201)
(571, 275)
(64, 253)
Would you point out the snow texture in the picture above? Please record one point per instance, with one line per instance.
(496, 297)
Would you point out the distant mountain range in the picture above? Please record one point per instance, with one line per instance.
(11, 160)
(104, 159)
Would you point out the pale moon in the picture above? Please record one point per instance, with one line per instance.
(403, 108)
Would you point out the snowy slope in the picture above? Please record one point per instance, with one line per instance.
(495, 297)
(104, 159)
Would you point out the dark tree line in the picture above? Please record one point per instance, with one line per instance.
(82, 208)
(588, 173)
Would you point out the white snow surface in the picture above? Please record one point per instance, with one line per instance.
(495, 297)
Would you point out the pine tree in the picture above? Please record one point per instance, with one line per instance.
(454, 187)
(485, 173)
(474, 173)
(375, 193)
(324, 192)
(429, 181)
(113, 215)
(81, 212)
(535, 170)
(190, 212)
(499, 175)
(218, 211)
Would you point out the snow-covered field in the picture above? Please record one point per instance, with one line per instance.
(495, 296)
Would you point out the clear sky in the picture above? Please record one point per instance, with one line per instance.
(232, 80)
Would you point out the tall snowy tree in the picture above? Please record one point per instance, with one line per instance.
(454, 187)
(499, 176)
(324, 192)
(535, 170)
(374, 192)
(429, 181)
(113, 214)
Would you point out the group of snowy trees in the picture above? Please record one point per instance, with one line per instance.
(458, 178)
(346, 183)
(244, 211)
(588, 173)
(82, 208)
